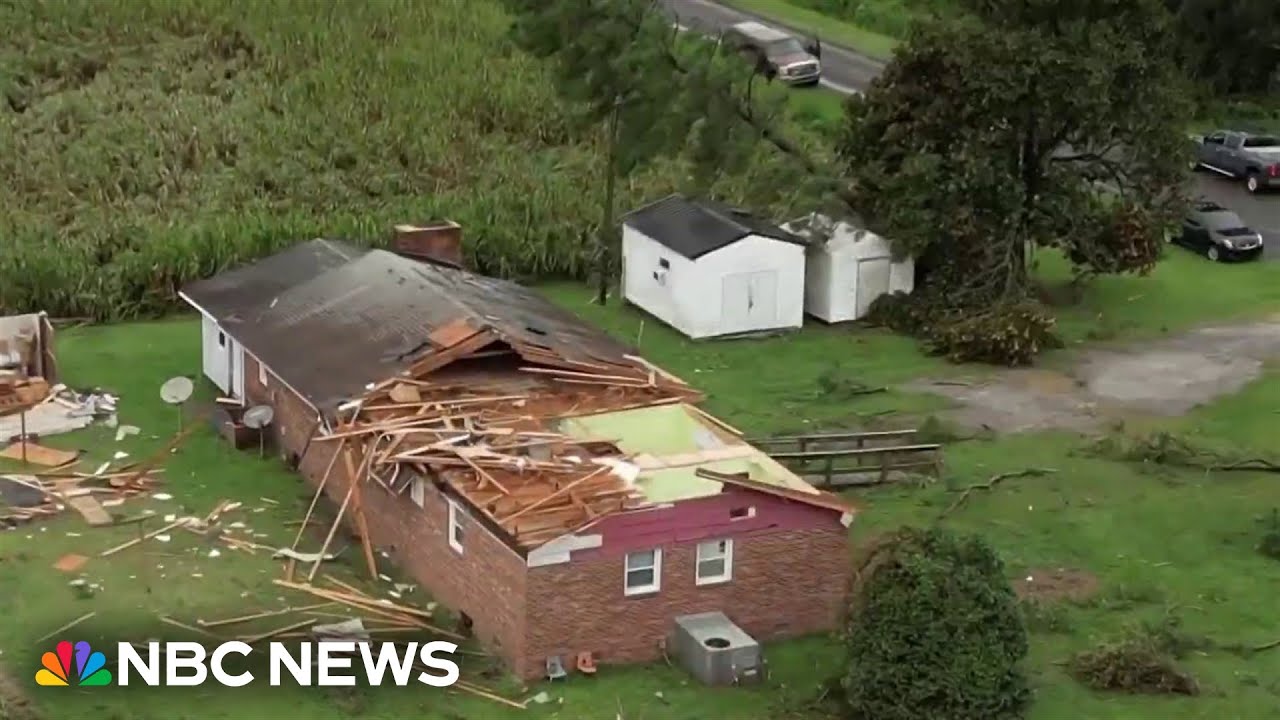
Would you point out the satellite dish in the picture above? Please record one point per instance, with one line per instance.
(257, 418)
(176, 391)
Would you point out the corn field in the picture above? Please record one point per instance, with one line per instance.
(146, 143)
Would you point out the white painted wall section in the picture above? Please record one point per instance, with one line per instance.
(651, 273)
(215, 348)
(740, 274)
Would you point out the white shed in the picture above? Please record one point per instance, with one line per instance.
(848, 268)
(710, 270)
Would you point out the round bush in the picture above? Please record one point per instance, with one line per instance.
(934, 633)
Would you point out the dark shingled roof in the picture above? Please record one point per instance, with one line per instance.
(694, 228)
(249, 287)
(369, 319)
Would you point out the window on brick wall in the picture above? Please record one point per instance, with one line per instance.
(643, 572)
(418, 492)
(262, 374)
(715, 562)
(455, 526)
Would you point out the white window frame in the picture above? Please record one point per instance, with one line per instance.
(627, 569)
(727, 556)
(418, 492)
(455, 526)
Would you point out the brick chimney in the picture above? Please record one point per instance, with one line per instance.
(435, 242)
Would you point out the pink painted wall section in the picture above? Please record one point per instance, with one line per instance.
(690, 521)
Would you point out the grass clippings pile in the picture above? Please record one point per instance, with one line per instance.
(1138, 664)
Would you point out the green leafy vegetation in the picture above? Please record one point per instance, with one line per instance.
(966, 169)
(934, 631)
(148, 143)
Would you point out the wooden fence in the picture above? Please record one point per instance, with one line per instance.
(853, 458)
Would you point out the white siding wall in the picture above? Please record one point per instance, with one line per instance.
(819, 283)
(216, 353)
(847, 255)
(702, 298)
(642, 258)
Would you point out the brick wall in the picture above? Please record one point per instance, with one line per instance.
(486, 581)
(785, 583)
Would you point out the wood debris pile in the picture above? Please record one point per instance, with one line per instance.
(491, 436)
(342, 612)
(27, 497)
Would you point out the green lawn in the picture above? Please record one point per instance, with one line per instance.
(1175, 543)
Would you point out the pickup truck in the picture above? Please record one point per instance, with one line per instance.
(1256, 158)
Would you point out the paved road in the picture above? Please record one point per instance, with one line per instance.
(849, 72)
(843, 70)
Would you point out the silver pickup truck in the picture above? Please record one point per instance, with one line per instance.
(1256, 158)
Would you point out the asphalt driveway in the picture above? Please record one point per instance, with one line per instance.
(846, 71)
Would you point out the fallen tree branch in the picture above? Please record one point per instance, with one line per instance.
(991, 483)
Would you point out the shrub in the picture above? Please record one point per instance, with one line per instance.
(934, 632)
(1138, 664)
(1003, 334)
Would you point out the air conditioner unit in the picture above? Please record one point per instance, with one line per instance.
(716, 651)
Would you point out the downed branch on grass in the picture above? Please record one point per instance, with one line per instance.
(995, 480)
(1134, 665)
(1171, 450)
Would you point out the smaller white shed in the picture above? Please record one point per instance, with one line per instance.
(848, 267)
(711, 270)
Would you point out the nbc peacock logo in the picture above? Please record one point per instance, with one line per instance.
(90, 667)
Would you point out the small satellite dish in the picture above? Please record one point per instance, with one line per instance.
(176, 391)
(257, 418)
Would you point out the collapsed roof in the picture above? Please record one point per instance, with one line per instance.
(433, 372)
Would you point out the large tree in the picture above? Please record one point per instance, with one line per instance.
(660, 93)
(1050, 123)
(1232, 46)
(1030, 123)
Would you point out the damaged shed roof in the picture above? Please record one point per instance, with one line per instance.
(373, 317)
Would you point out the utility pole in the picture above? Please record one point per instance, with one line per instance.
(604, 243)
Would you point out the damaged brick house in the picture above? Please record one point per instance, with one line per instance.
(558, 491)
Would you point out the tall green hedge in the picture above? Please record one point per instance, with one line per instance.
(934, 633)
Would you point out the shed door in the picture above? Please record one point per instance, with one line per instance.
(872, 281)
(749, 301)
(237, 372)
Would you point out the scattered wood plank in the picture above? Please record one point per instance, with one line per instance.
(135, 541)
(66, 627)
(39, 454)
(91, 510)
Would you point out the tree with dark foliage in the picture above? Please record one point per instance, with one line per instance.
(1028, 124)
(934, 632)
(1031, 123)
(1231, 46)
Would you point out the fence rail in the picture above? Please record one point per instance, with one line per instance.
(848, 459)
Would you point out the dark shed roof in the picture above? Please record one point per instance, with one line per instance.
(369, 319)
(694, 228)
(249, 287)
